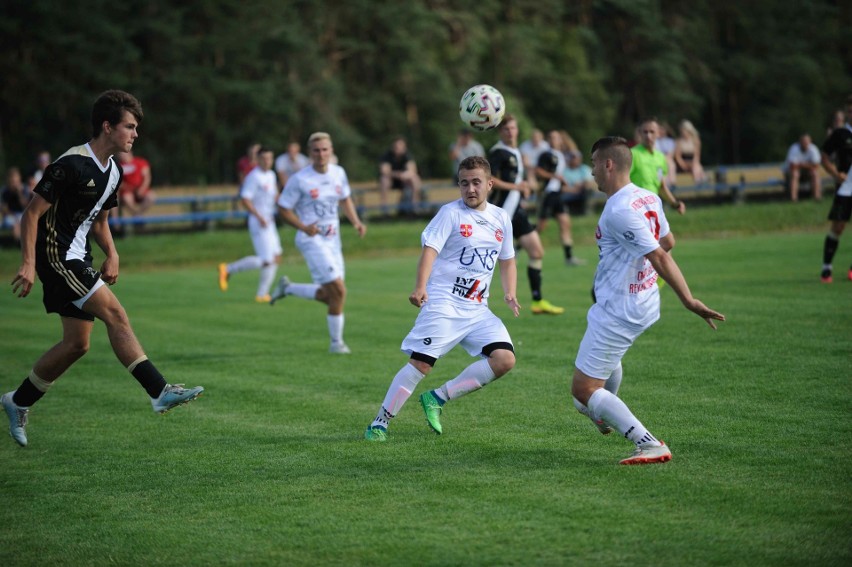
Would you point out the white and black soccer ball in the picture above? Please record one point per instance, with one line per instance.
(482, 107)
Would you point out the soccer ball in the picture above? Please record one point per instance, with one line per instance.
(482, 107)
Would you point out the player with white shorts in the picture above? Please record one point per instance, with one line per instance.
(634, 240)
(462, 246)
(258, 194)
(310, 202)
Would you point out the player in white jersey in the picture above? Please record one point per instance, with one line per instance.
(259, 194)
(310, 202)
(462, 245)
(634, 241)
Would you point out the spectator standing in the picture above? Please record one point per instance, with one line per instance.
(803, 157)
(42, 161)
(14, 198)
(687, 153)
(290, 162)
(634, 241)
(310, 203)
(465, 146)
(259, 194)
(531, 149)
(838, 147)
(247, 162)
(135, 194)
(666, 144)
(550, 167)
(54, 244)
(452, 295)
(649, 167)
(510, 189)
(398, 171)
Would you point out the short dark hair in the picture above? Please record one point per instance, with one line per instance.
(648, 119)
(506, 119)
(616, 149)
(475, 162)
(110, 106)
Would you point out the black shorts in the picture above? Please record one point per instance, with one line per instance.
(521, 225)
(841, 209)
(65, 282)
(551, 205)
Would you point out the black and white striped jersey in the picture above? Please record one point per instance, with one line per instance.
(506, 165)
(79, 188)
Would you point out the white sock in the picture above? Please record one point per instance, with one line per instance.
(267, 276)
(471, 379)
(400, 390)
(606, 406)
(303, 290)
(614, 381)
(244, 264)
(335, 327)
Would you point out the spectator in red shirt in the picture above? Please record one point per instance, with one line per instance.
(135, 194)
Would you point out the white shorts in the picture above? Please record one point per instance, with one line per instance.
(439, 328)
(604, 344)
(324, 257)
(266, 241)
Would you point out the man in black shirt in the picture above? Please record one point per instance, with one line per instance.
(510, 188)
(838, 145)
(72, 199)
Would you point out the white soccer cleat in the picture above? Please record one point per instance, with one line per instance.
(339, 348)
(17, 419)
(280, 290)
(649, 455)
(174, 395)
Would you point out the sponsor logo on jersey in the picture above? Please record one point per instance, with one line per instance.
(499, 235)
(466, 230)
(91, 183)
(487, 258)
(314, 193)
(598, 234)
(469, 288)
(629, 236)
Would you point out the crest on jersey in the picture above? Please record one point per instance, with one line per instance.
(466, 230)
(338, 189)
(499, 235)
(314, 193)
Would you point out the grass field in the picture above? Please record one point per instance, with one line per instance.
(269, 467)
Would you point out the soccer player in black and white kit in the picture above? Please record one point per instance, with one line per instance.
(839, 145)
(73, 199)
(510, 188)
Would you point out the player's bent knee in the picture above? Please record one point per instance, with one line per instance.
(501, 357)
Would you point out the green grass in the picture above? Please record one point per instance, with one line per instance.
(269, 466)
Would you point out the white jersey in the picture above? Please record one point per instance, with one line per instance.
(314, 197)
(469, 245)
(630, 226)
(261, 188)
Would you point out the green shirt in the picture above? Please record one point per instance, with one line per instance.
(648, 169)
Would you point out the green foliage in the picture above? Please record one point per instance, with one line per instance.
(215, 75)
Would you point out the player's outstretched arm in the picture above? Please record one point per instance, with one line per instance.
(668, 269)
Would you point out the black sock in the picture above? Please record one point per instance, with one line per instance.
(534, 276)
(26, 394)
(150, 378)
(567, 248)
(829, 249)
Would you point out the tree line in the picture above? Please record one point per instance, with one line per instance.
(215, 75)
